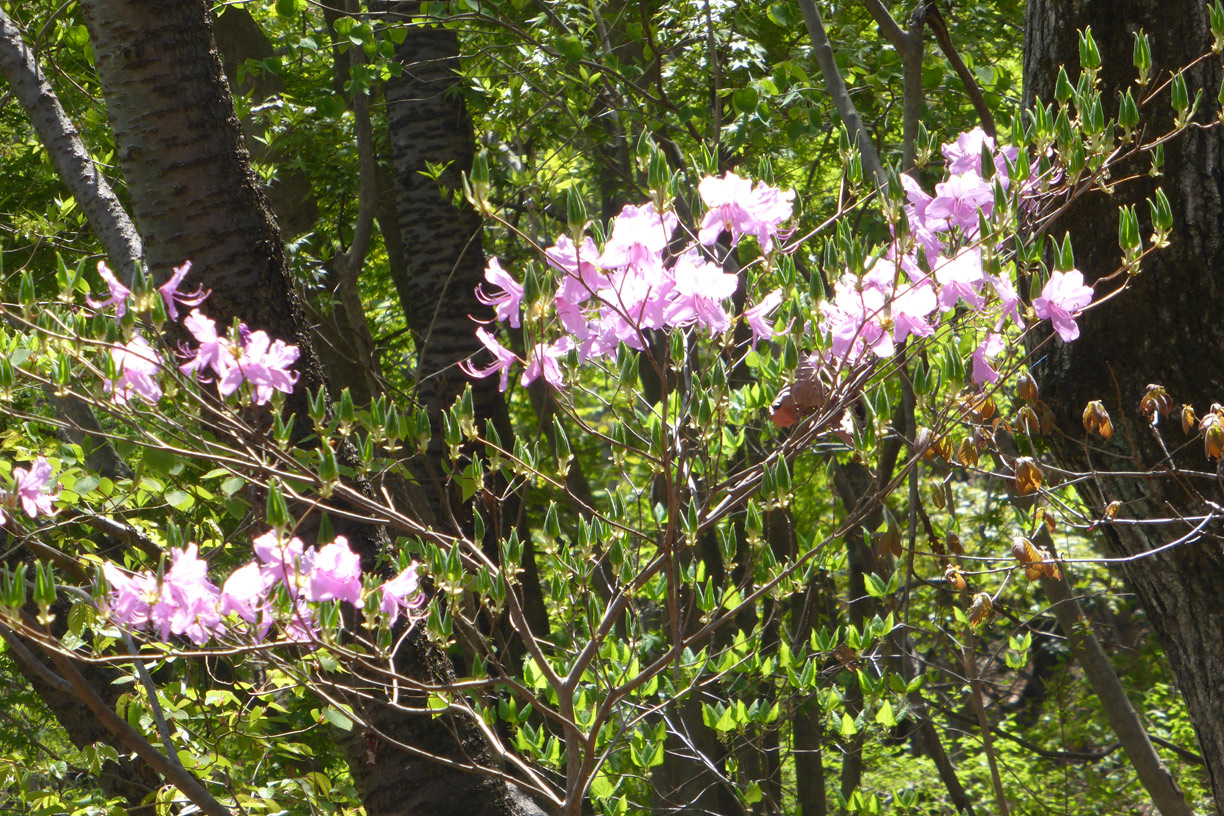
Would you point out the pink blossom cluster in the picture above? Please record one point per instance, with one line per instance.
(31, 489)
(636, 283)
(895, 299)
(185, 603)
(251, 357)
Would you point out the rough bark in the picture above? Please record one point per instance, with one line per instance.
(1166, 329)
(195, 196)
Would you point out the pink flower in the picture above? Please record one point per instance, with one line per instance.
(923, 229)
(244, 595)
(1009, 299)
(961, 279)
(214, 351)
(301, 627)
(257, 359)
(959, 199)
(911, 310)
(283, 561)
(503, 359)
(264, 364)
(170, 293)
(983, 371)
(757, 317)
(542, 361)
(137, 364)
(700, 288)
(189, 597)
(581, 278)
(119, 293)
(131, 596)
(30, 487)
(1062, 298)
(336, 574)
(509, 302)
(735, 205)
(639, 237)
(402, 591)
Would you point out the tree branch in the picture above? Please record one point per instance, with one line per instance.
(67, 152)
(935, 20)
(839, 93)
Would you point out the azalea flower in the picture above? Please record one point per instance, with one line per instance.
(137, 364)
(30, 488)
(119, 293)
(1062, 298)
(737, 206)
(264, 364)
(244, 595)
(214, 351)
(542, 361)
(336, 574)
(960, 279)
(700, 288)
(959, 199)
(757, 317)
(188, 604)
(401, 592)
(639, 237)
(508, 304)
(983, 371)
(131, 596)
(170, 293)
(503, 359)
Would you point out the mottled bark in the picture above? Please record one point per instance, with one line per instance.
(1166, 330)
(195, 196)
(67, 152)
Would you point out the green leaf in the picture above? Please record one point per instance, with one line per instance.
(290, 8)
(745, 100)
(885, 715)
(601, 787)
(338, 719)
(848, 728)
(180, 499)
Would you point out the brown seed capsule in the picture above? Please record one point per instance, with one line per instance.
(1028, 476)
(1189, 420)
(1047, 418)
(1019, 549)
(954, 543)
(1213, 436)
(1111, 509)
(1027, 422)
(1096, 419)
(954, 577)
(1026, 387)
(1156, 401)
(980, 609)
(967, 453)
(924, 443)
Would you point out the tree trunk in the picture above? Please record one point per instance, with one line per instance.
(1165, 330)
(195, 196)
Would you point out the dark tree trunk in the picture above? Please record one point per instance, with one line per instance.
(1166, 329)
(195, 196)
